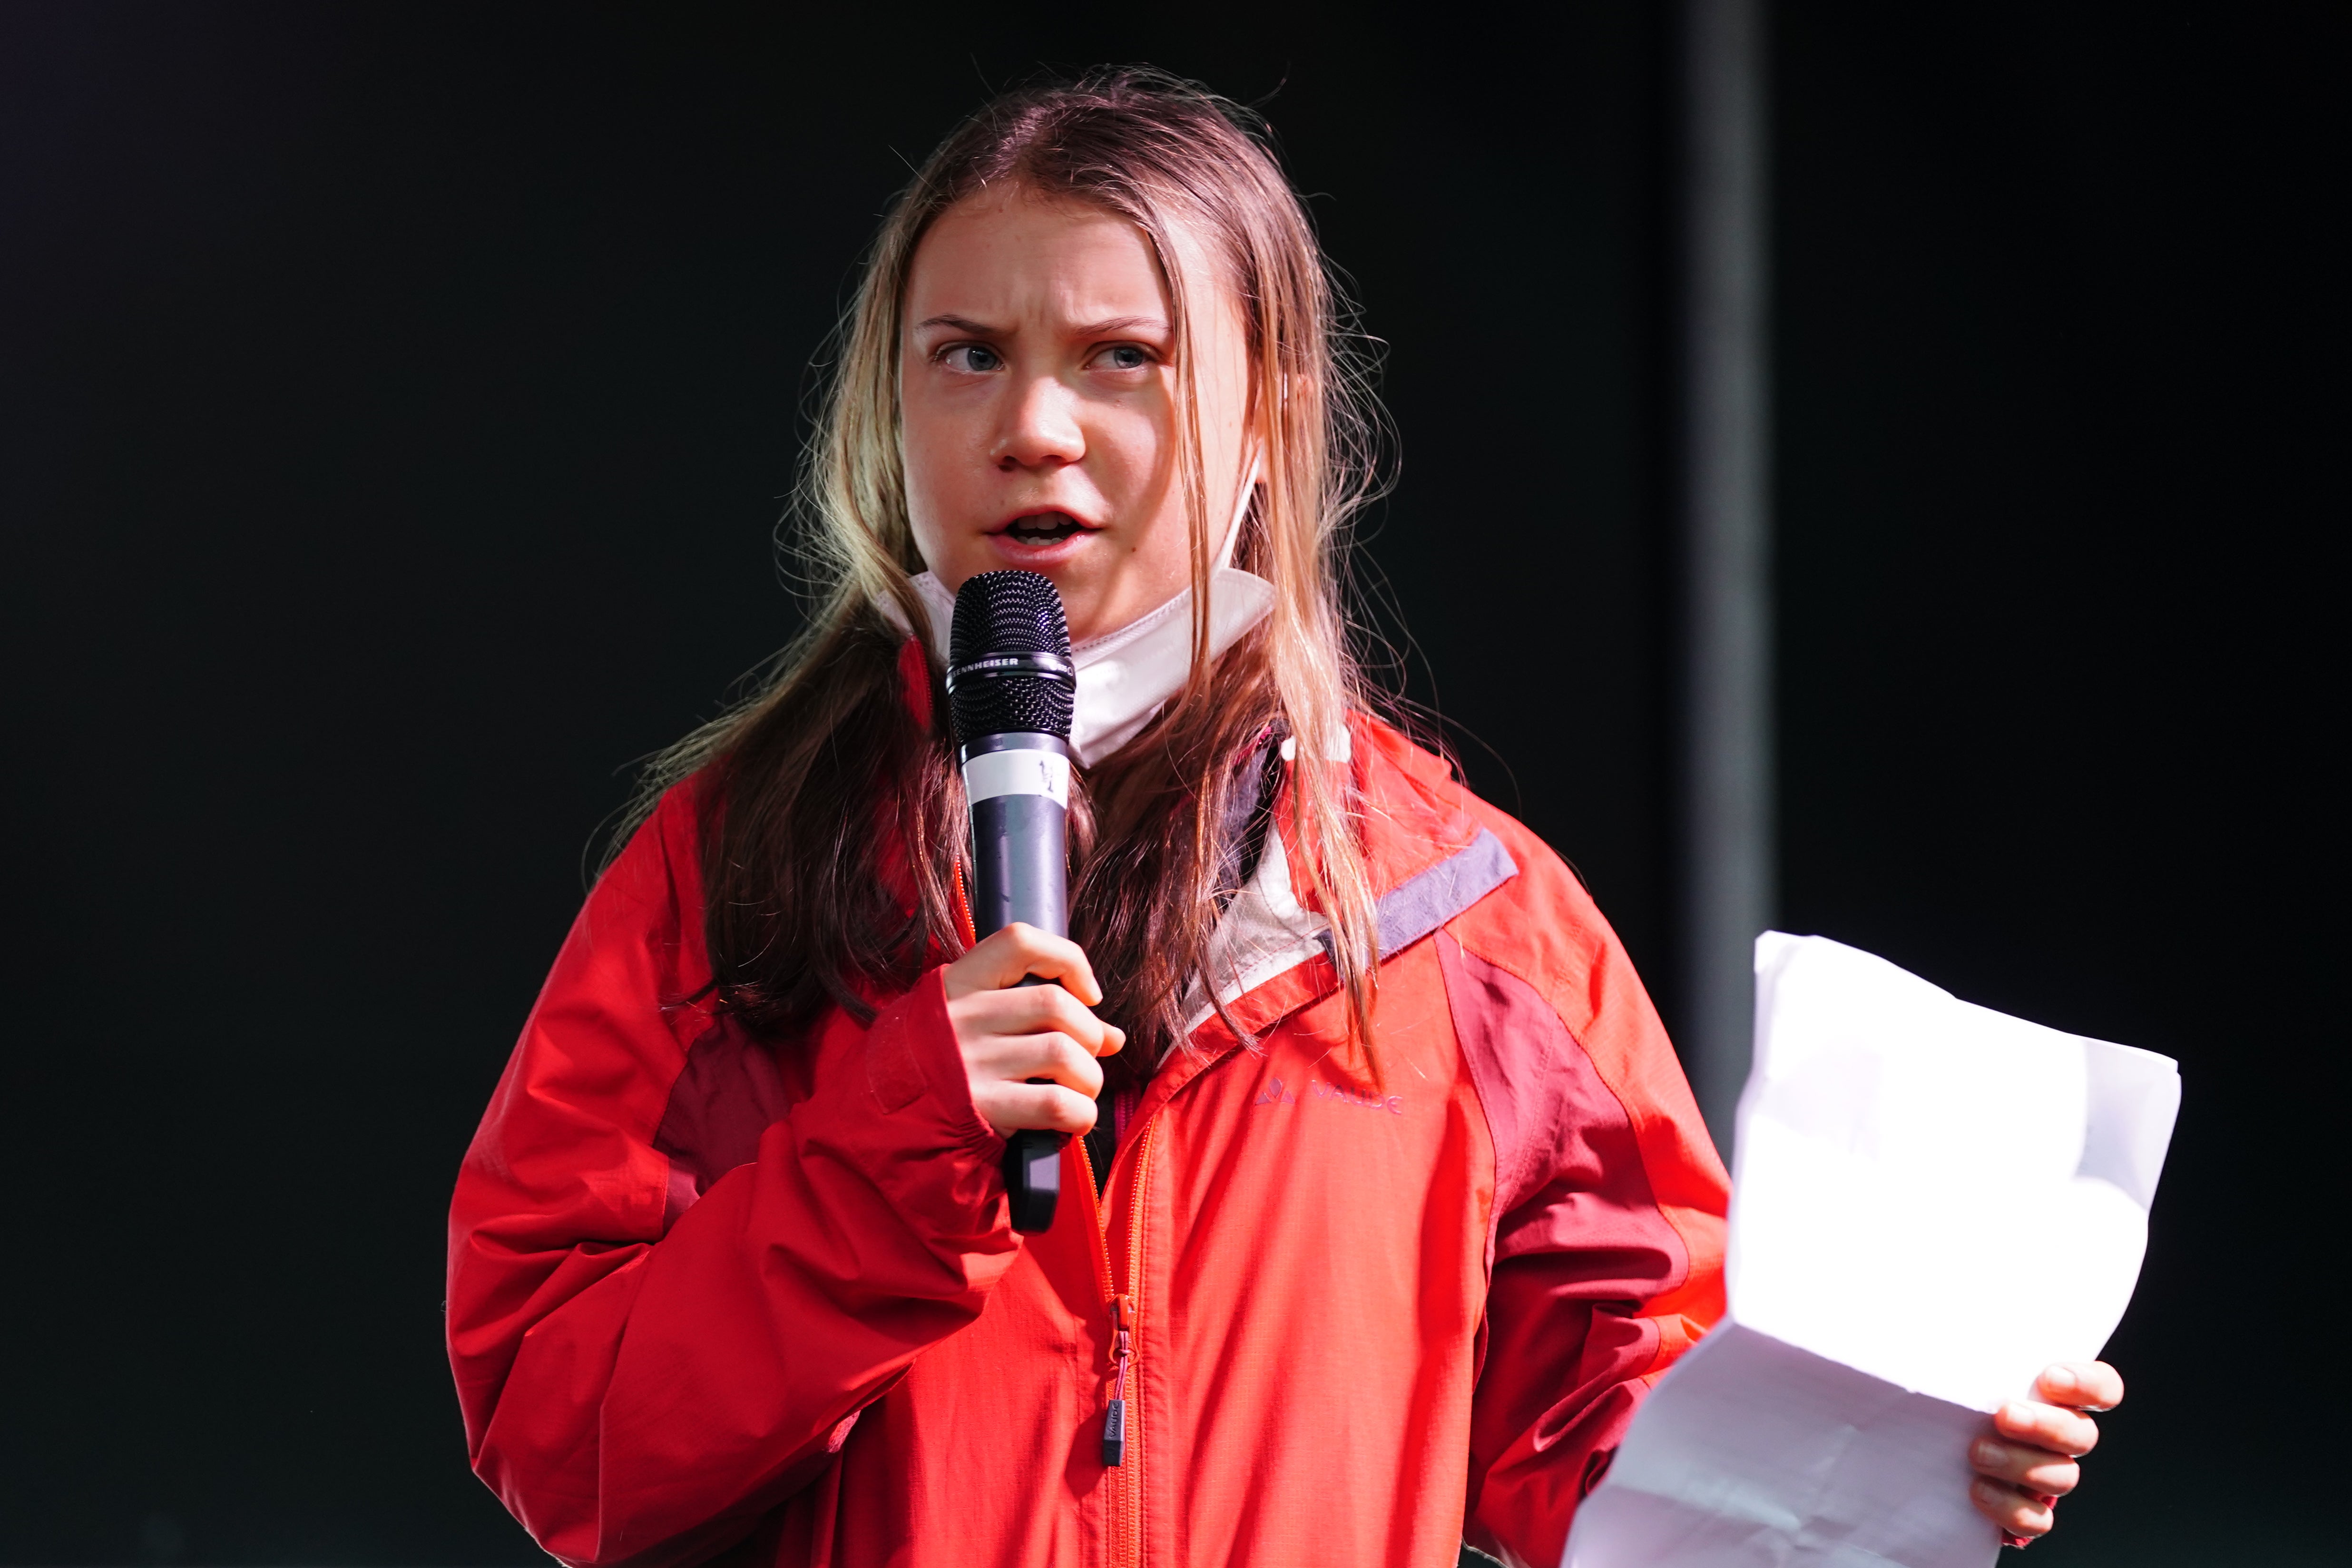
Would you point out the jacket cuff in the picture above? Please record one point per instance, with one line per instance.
(911, 1053)
(895, 1108)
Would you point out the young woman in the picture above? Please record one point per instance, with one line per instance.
(1391, 1200)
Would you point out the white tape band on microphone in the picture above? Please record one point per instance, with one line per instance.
(993, 774)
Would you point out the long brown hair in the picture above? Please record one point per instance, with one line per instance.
(833, 815)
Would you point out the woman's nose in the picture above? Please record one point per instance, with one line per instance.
(1041, 428)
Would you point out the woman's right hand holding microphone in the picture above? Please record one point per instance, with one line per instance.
(1010, 1032)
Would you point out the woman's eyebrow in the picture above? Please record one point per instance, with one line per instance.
(1103, 328)
(1116, 324)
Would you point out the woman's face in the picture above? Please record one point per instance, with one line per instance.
(1040, 403)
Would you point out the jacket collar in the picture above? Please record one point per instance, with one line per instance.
(1429, 858)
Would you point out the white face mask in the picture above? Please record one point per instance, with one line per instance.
(1126, 676)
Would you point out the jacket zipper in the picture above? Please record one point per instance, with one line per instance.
(1122, 1433)
(1114, 1447)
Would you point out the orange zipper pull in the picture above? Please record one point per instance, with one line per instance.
(1122, 1348)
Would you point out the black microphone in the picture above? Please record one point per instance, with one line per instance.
(1012, 687)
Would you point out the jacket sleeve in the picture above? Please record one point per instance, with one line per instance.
(640, 1396)
(1606, 1258)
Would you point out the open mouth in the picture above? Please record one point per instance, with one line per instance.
(1044, 528)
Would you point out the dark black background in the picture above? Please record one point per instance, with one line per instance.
(394, 411)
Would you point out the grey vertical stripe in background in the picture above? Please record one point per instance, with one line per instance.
(1727, 888)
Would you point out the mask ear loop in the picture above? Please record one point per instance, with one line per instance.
(1241, 507)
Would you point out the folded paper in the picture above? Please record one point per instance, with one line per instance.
(1931, 1203)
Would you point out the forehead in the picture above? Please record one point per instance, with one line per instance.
(1011, 252)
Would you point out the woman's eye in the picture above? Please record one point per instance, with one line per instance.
(978, 358)
(1124, 356)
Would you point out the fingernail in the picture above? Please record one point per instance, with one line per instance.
(1991, 1455)
(2062, 1377)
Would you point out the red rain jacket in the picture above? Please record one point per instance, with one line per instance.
(712, 1299)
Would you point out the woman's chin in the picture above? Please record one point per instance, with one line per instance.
(1101, 592)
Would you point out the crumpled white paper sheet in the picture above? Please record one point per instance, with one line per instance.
(1932, 1201)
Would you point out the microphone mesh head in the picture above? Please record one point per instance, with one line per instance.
(1009, 614)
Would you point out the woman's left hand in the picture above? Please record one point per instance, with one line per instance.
(2026, 1463)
